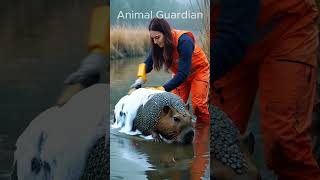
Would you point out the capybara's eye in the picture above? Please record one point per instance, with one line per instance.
(176, 119)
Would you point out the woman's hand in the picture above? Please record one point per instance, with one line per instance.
(91, 70)
(138, 83)
(159, 88)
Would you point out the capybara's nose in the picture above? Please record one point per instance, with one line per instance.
(189, 137)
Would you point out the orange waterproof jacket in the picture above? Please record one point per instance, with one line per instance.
(199, 59)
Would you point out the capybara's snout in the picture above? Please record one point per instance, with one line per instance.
(186, 135)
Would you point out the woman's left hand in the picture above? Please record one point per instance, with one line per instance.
(159, 88)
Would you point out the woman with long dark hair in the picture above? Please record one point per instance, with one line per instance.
(176, 50)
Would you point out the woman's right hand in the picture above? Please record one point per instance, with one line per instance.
(138, 83)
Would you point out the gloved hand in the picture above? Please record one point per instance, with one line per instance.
(91, 70)
(142, 76)
(137, 84)
(159, 88)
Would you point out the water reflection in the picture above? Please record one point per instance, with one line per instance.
(201, 151)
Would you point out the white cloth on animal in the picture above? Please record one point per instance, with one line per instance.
(62, 137)
(126, 109)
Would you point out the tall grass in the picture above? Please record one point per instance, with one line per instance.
(128, 41)
(204, 38)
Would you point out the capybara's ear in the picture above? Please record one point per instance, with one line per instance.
(187, 106)
(166, 109)
(249, 141)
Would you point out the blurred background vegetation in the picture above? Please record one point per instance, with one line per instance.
(41, 43)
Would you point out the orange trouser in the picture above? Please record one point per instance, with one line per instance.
(198, 85)
(283, 68)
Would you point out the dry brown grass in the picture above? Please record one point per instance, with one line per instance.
(204, 38)
(128, 41)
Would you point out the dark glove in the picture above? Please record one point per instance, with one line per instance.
(138, 83)
(91, 70)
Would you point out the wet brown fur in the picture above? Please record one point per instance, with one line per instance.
(172, 123)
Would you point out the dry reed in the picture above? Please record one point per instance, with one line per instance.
(128, 41)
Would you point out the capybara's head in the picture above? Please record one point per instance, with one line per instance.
(175, 126)
(165, 114)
